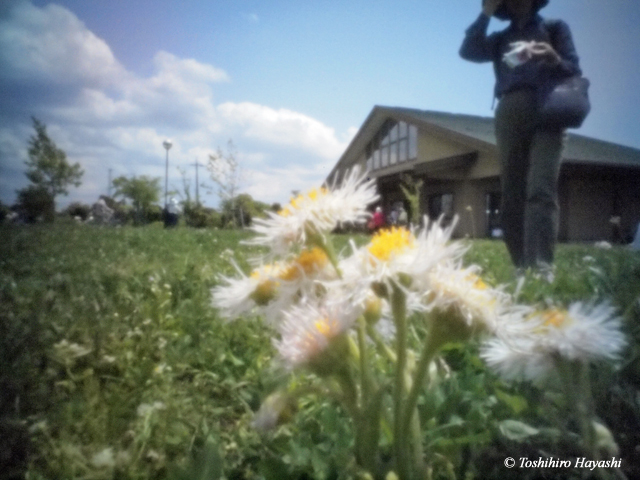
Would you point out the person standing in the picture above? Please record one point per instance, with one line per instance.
(529, 153)
(378, 220)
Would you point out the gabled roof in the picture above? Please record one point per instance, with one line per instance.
(478, 132)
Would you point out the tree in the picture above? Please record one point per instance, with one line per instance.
(36, 203)
(242, 209)
(227, 173)
(48, 168)
(143, 191)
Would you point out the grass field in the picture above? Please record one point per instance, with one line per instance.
(116, 366)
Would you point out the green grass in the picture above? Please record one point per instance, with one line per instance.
(165, 389)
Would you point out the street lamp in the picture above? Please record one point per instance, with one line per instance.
(167, 145)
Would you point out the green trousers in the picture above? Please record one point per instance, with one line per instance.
(530, 160)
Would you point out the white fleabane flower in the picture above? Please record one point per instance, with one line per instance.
(583, 333)
(399, 256)
(241, 295)
(310, 328)
(462, 292)
(316, 212)
(273, 287)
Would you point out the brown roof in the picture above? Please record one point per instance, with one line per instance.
(480, 131)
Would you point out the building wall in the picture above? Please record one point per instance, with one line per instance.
(432, 146)
(591, 197)
(487, 166)
(589, 208)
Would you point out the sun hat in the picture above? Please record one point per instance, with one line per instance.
(503, 14)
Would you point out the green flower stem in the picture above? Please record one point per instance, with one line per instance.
(364, 360)
(349, 391)
(584, 409)
(321, 241)
(399, 309)
(410, 412)
(371, 427)
(354, 350)
(347, 383)
(416, 437)
(383, 348)
(575, 377)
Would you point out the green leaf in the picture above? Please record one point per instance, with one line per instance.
(517, 403)
(516, 430)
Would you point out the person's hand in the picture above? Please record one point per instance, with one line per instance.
(544, 52)
(489, 7)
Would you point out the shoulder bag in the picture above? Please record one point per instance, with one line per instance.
(565, 102)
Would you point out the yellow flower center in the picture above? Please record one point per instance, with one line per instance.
(308, 262)
(296, 203)
(387, 243)
(478, 283)
(326, 327)
(265, 292)
(555, 317)
(267, 285)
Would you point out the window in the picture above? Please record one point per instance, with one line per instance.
(402, 150)
(384, 152)
(393, 153)
(396, 142)
(413, 142)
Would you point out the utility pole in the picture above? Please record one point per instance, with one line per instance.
(109, 186)
(197, 182)
(167, 145)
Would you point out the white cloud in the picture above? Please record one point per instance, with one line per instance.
(283, 127)
(111, 118)
(52, 44)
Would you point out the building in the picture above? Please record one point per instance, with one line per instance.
(455, 157)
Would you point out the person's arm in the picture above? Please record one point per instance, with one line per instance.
(561, 56)
(477, 46)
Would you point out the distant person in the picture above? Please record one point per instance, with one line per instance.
(529, 154)
(377, 221)
(172, 213)
(403, 218)
(393, 216)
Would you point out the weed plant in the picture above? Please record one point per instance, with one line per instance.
(116, 366)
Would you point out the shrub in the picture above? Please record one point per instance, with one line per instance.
(36, 204)
(201, 217)
(78, 209)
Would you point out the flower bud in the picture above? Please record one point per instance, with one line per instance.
(278, 408)
(604, 440)
(372, 309)
(380, 289)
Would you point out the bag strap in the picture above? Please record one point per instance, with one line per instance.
(551, 26)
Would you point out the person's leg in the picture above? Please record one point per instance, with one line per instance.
(541, 214)
(513, 134)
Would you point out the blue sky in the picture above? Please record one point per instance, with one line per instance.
(289, 82)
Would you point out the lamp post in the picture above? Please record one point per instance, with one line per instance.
(167, 145)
